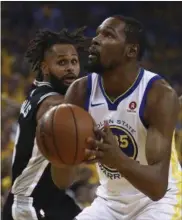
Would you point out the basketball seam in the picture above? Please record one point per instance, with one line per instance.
(76, 131)
(54, 142)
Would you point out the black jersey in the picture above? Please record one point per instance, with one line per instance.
(31, 175)
(33, 194)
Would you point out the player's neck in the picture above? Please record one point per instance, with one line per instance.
(119, 80)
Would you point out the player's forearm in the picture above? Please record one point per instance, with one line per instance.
(64, 176)
(148, 179)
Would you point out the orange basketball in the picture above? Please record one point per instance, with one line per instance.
(61, 134)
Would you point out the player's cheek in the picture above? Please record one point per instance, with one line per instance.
(103, 58)
(106, 54)
(77, 69)
(60, 70)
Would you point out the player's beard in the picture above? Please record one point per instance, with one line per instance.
(95, 65)
(58, 84)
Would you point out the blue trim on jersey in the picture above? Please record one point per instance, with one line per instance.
(113, 105)
(89, 89)
(144, 99)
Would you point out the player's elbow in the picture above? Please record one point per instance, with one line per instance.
(60, 184)
(157, 196)
(62, 177)
(159, 192)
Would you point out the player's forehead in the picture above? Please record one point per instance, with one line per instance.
(114, 24)
(64, 50)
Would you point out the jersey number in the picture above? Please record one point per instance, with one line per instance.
(122, 140)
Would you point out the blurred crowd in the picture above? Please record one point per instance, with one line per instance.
(20, 21)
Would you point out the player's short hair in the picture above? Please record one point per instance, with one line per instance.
(135, 33)
(45, 39)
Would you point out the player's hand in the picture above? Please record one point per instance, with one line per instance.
(105, 149)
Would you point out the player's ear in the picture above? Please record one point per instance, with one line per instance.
(44, 68)
(133, 50)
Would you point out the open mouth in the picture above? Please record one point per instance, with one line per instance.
(92, 56)
(68, 79)
(93, 52)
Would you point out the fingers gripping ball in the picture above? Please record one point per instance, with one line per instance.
(62, 132)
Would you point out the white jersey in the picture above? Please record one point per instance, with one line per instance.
(126, 119)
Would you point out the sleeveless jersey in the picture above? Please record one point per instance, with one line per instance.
(31, 174)
(126, 120)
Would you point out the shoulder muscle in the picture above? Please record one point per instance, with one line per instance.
(77, 92)
(161, 112)
(49, 102)
(162, 105)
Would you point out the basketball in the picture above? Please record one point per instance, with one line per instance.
(61, 134)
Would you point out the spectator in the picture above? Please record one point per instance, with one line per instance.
(49, 17)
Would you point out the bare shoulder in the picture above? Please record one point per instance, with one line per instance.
(78, 84)
(77, 92)
(49, 102)
(162, 91)
(162, 103)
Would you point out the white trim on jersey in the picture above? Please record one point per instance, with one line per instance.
(32, 92)
(32, 210)
(14, 207)
(25, 203)
(40, 83)
(31, 184)
(39, 171)
(46, 95)
(16, 141)
(25, 183)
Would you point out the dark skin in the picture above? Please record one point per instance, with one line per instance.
(110, 42)
(160, 113)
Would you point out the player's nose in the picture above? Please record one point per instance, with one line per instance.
(95, 41)
(70, 69)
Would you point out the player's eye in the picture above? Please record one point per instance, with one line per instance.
(62, 62)
(74, 61)
(108, 34)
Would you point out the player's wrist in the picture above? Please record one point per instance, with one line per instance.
(121, 161)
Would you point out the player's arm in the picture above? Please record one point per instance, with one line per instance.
(48, 103)
(161, 114)
(63, 177)
(64, 172)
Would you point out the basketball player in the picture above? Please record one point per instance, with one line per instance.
(33, 194)
(136, 112)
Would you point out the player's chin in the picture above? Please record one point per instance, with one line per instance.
(93, 64)
(67, 83)
(95, 67)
